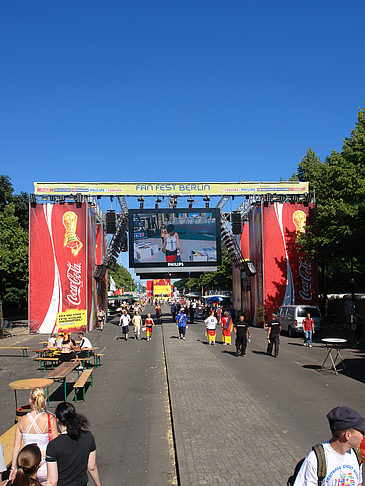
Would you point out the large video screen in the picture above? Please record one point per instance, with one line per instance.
(175, 239)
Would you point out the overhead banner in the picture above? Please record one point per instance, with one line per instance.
(58, 267)
(170, 188)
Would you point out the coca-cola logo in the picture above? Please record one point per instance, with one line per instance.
(75, 281)
(305, 274)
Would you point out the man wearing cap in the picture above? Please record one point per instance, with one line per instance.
(342, 463)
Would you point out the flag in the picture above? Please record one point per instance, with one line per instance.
(112, 284)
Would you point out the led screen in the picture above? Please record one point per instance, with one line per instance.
(174, 238)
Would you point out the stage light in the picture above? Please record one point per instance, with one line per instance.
(61, 199)
(157, 201)
(52, 198)
(33, 200)
(191, 201)
(206, 200)
(141, 202)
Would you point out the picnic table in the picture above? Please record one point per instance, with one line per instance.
(29, 384)
(61, 373)
(89, 350)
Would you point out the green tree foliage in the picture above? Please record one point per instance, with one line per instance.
(121, 277)
(221, 279)
(13, 262)
(335, 237)
(20, 201)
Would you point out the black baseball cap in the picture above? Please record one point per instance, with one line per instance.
(342, 418)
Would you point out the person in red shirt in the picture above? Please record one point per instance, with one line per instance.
(308, 328)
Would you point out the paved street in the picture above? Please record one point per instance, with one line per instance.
(235, 420)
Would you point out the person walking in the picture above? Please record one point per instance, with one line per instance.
(137, 323)
(227, 326)
(273, 336)
(341, 464)
(73, 453)
(191, 313)
(242, 332)
(149, 325)
(211, 324)
(308, 328)
(181, 320)
(173, 312)
(36, 427)
(28, 462)
(124, 321)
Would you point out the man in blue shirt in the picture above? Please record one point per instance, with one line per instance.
(181, 320)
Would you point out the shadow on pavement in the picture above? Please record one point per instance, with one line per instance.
(260, 352)
(232, 353)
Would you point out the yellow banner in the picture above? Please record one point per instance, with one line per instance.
(170, 189)
(162, 289)
(71, 318)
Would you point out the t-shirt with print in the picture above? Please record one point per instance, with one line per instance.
(275, 327)
(72, 457)
(342, 469)
(125, 320)
(241, 328)
(181, 320)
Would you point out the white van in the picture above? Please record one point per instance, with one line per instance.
(291, 318)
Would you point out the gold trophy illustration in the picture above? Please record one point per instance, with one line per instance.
(299, 219)
(72, 241)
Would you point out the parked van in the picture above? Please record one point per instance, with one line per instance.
(291, 318)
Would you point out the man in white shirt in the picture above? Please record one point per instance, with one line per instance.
(342, 464)
(137, 322)
(124, 321)
(211, 324)
(84, 345)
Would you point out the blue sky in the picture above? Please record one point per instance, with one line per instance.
(175, 91)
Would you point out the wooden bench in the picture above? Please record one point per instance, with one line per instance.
(82, 361)
(7, 440)
(23, 348)
(61, 373)
(43, 362)
(81, 383)
(97, 359)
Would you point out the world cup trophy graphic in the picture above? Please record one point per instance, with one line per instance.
(71, 241)
(299, 219)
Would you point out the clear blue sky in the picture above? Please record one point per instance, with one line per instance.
(175, 90)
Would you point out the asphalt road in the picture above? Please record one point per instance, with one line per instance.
(128, 407)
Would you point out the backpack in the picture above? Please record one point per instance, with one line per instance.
(321, 464)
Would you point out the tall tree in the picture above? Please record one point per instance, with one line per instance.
(335, 236)
(122, 277)
(13, 263)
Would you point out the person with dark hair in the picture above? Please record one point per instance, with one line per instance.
(73, 453)
(67, 350)
(28, 462)
(171, 244)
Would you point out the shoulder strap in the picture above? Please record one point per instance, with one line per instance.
(358, 453)
(321, 462)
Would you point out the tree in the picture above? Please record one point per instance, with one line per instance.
(221, 279)
(13, 262)
(121, 277)
(334, 238)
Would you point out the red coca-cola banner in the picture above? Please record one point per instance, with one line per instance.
(289, 278)
(58, 267)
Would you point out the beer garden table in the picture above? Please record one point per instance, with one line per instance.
(29, 384)
(334, 345)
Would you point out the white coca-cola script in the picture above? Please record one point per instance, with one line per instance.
(305, 274)
(75, 280)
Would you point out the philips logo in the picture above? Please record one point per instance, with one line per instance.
(175, 264)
